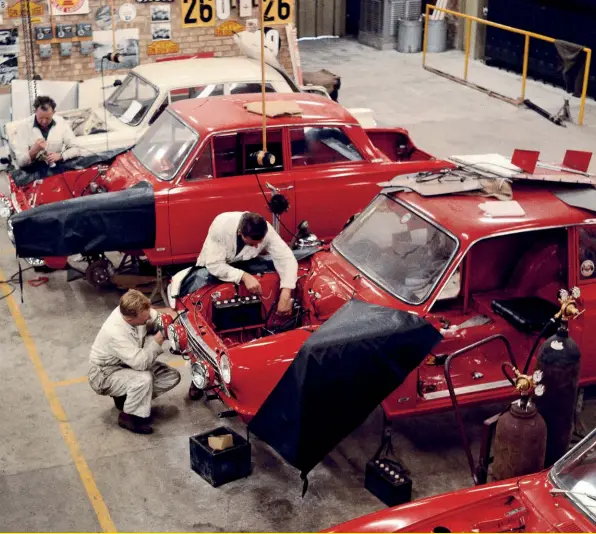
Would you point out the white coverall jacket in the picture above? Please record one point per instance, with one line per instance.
(219, 250)
(61, 139)
(123, 362)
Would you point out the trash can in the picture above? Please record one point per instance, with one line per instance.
(436, 40)
(409, 36)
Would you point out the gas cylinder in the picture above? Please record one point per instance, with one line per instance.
(559, 361)
(520, 441)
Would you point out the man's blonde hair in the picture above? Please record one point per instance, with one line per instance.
(133, 302)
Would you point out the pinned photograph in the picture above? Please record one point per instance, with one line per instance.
(161, 32)
(127, 46)
(160, 13)
(9, 55)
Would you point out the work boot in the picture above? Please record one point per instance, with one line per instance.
(194, 393)
(134, 423)
(119, 402)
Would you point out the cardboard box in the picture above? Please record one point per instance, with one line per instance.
(220, 443)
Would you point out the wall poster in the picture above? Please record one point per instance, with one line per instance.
(69, 7)
(127, 45)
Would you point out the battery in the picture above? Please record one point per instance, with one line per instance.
(237, 312)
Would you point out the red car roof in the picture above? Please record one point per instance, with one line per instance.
(461, 215)
(228, 112)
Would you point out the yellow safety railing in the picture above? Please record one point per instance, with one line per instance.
(469, 19)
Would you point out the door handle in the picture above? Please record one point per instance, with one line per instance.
(274, 189)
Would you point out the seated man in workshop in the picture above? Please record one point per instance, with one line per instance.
(44, 136)
(123, 361)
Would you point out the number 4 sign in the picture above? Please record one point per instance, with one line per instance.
(198, 13)
(278, 11)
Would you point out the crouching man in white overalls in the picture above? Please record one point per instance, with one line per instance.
(123, 361)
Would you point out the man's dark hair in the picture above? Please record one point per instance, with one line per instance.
(45, 103)
(253, 226)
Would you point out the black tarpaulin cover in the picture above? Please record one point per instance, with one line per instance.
(39, 170)
(118, 221)
(342, 372)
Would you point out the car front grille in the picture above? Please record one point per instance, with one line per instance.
(201, 350)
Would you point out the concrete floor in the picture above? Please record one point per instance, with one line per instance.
(66, 466)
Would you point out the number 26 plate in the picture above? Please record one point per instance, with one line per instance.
(278, 11)
(198, 13)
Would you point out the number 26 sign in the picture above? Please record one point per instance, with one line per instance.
(278, 11)
(198, 13)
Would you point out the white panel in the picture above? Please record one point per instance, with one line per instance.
(64, 93)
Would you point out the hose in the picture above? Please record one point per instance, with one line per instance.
(550, 322)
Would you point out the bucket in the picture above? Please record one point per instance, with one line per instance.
(437, 36)
(409, 36)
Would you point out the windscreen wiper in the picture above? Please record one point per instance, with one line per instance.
(571, 492)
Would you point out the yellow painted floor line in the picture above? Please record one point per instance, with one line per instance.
(101, 510)
(70, 382)
(82, 379)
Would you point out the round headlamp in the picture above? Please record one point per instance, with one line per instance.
(35, 262)
(225, 368)
(177, 337)
(199, 374)
(162, 323)
(6, 208)
(10, 231)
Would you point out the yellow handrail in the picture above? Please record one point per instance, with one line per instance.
(470, 18)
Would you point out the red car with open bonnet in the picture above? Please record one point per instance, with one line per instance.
(443, 254)
(198, 160)
(561, 499)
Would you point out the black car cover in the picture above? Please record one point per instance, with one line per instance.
(39, 170)
(118, 221)
(341, 373)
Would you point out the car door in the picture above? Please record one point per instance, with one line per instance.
(333, 179)
(582, 254)
(222, 178)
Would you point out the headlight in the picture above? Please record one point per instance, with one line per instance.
(225, 368)
(200, 374)
(5, 207)
(10, 231)
(35, 262)
(177, 337)
(162, 323)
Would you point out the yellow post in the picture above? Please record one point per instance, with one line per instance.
(585, 87)
(468, 38)
(426, 17)
(262, 17)
(525, 67)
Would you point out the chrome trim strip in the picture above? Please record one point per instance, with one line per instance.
(467, 389)
(202, 350)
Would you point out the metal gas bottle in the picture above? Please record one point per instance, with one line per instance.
(520, 441)
(559, 360)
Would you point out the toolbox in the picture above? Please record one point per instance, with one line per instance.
(387, 480)
(220, 466)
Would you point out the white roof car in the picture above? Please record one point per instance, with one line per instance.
(148, 89)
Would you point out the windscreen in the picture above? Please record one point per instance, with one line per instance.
(165, 146)
(396, 248)
(132, 100)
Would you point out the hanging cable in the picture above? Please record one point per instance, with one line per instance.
(28, 40)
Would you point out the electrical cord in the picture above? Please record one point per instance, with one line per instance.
(12, 281)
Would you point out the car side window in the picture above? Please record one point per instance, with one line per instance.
(321, 145)
(203, 167)
(587, 252)
(200, 91)
(225, 155)
(249, 87)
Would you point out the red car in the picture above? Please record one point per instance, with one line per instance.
(561, 499)
(198, 161)
(484, 279)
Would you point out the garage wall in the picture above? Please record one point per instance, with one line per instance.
(190, 40)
